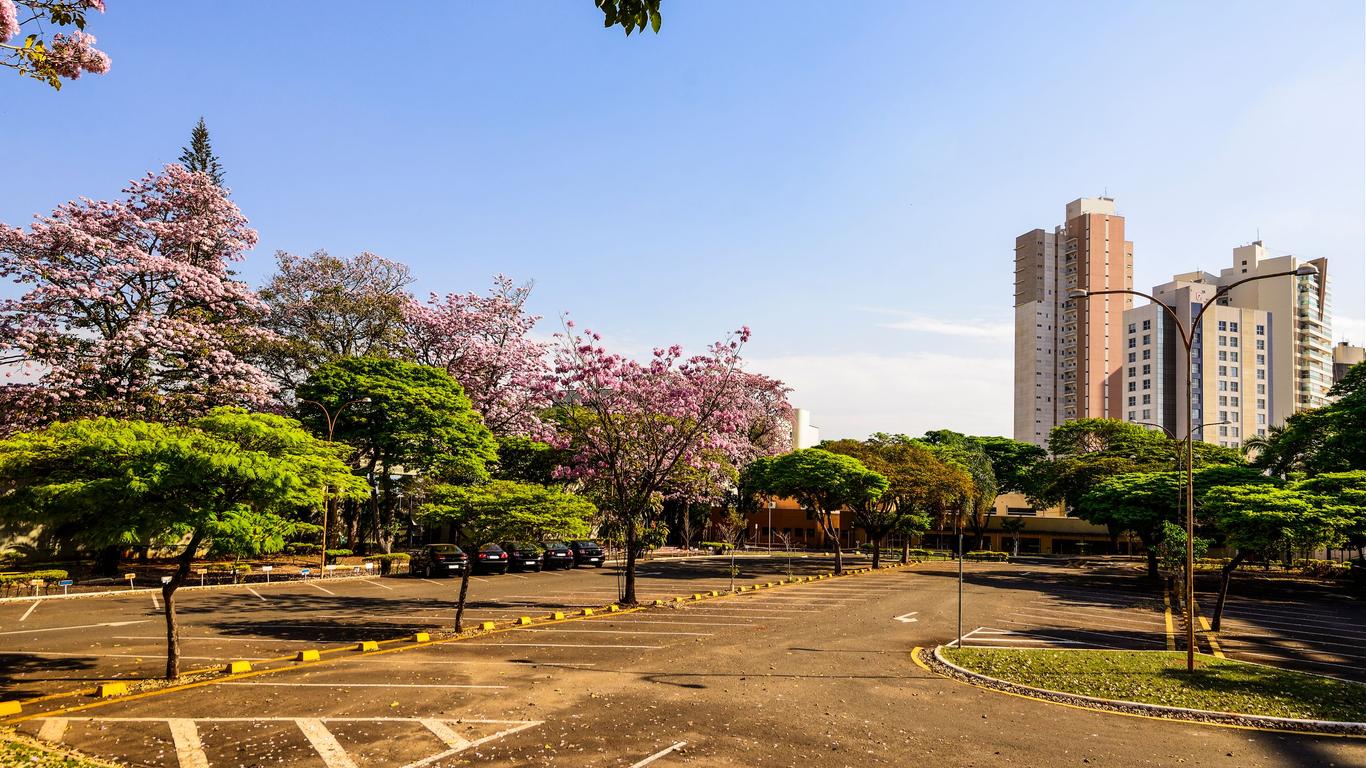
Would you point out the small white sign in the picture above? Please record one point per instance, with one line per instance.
(267, 568)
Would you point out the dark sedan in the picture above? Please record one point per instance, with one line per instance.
(558, 555)
(524, 555)
(587, 553)
(437, 560)
(490, 559)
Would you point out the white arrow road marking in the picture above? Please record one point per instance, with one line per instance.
(79, 626)
(189, 751)
(325, 744)
(907, 618)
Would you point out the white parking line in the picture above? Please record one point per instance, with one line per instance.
(659, 754)
(52, 730)
(155, 605)
(1231, 622)
(254, 592)
(30, 610)
(398, 662)
(364, 685)
(375, 583)
(325, 744)
(1154, 622)
(679, 623)
(1234, 612)
(189, 752)
(320, 588)
(78, 626)
(144, 656)
(719, 612)
(1081, 631)
(217, 639)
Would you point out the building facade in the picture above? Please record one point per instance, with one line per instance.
(1065, 365)
(1260, 353)
(1344, 357)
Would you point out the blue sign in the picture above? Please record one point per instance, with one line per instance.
(304, 571)
(65, 583)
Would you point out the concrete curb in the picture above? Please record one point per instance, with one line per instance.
(1181, 714)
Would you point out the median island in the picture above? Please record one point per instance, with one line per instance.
(1159, 678)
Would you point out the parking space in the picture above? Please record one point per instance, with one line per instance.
(520, 691)
(54, 645)
(1318, 633)
(1055, 609)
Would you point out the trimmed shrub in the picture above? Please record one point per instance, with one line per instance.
(386, 561)
(334, 554)
(302, 548)
(986, 554)
(23, 579)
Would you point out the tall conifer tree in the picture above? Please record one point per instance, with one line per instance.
(199, 155)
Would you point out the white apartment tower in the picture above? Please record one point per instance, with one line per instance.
(1260, 354)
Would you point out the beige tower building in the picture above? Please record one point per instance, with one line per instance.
(1262, 353)
(1345, 356)
(1067, 362)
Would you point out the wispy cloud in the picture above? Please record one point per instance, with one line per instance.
(979, 329)
(857, 394)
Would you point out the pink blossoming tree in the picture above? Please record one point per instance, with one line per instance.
(65, 56)
(632, 426)
(484, 342)
(130, 308)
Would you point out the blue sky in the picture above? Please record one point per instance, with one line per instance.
(846, 178)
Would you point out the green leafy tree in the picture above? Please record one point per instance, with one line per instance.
(199, 156)
(1013, 526)
(919, 486)
(823, 483)
(503, 510)
(1327, 439)
(967, 453)
(630, 15)
(110, 481)
(417, 420)
(1012, 462)
(1345, 493)
(1264, 520)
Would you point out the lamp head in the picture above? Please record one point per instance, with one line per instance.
(1078, 293)
(365, 400)
(1304, 270)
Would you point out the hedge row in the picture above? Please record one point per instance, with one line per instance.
(24, 578)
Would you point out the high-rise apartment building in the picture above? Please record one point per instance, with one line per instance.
(1260, 354)
(1067, 361)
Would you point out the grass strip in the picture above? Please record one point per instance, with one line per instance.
(1160, 677)
(19, 750)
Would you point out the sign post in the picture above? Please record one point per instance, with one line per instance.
(129, 578)
(267, 569)
(64, 583)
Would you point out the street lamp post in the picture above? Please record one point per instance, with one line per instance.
(331, 420)
(1187, 336)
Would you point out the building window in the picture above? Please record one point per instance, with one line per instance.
(1261, 330)
(1223, 326)
(1233, 370)
(1132, 328)
(1261, 343)
(1132, 400)
(1261, 403)
(1132, 371)
(1147, 324)
(1233, 341)
(1223, 385)
(1223, 341)
(1233, 386)
(1261, 359)
(1223, 399)
(1147, 399)
(1147, 338)
(1233, 356)
(1132, 342)
(1131, 357)
(1233, 327)
(1147, 369)
(1223, 432)
(1222, 355)
(1261, 373)
(1147, 354)
(1132, 386)
(1147, 383)
(1147, 413)
(1223, 370)
(1261, 419)
(1261, 388)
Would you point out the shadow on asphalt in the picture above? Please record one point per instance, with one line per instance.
(18, 670)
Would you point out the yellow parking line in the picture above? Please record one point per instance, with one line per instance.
(1171, 625)
(1209, 635)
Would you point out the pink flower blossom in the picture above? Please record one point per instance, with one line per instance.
(69, 56)
(9, 20)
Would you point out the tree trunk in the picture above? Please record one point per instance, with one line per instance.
(628, 592)
(464, 590)
(168, 589)
(877, 552)
(1151, 551)
(1225, 576)
(109, 560)
(906, 550)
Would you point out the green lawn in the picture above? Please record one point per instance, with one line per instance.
(1160, 677)
(18, 750)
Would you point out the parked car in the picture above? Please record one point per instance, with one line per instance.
(587, 553)
(490, 559)
(524, 555)
(557, 555)
(437, 560)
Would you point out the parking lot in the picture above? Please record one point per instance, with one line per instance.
(815, 672)
(52, 645)
(1297, 626)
